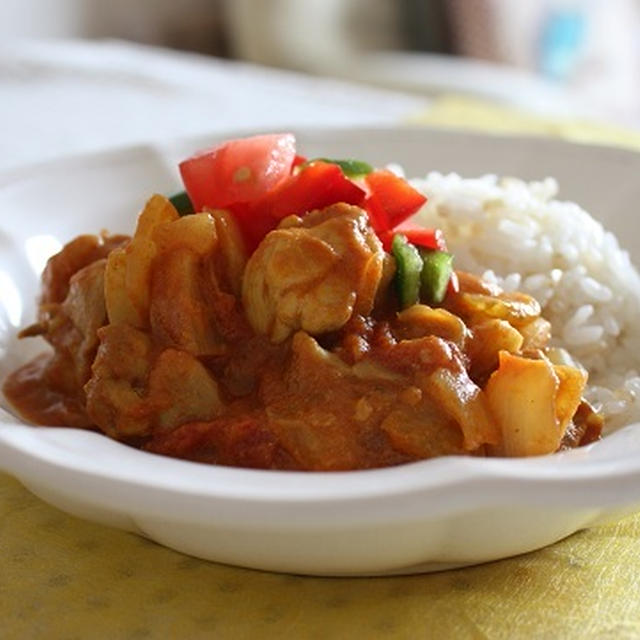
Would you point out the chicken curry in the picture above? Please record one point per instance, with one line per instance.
(302, 347)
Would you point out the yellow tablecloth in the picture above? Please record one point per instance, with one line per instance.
(61, 577)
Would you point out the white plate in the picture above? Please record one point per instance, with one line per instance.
(418, 517)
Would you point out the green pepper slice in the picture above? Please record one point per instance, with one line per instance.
(409, 267)
(182, 203)
(351, 168)
(434, 277)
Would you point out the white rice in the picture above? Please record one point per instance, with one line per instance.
(519, 236)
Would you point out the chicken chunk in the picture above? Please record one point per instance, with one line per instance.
(437, 367)
(75, 255)
(328, 414)
(135, 391)
(313, 273)
(325, 416)
(71, 329)
(115, 391)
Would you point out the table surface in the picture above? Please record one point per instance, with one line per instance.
(64, 97)
(61, 577)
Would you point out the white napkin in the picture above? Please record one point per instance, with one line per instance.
(65, 97)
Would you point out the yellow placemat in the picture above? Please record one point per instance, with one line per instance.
(63, 578)
(478, 115)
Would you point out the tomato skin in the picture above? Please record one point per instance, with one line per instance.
(318, 185)
(391, 199)
(298, 160)
(379, 222)
(252, 227)
(238, 171)
(416, 235)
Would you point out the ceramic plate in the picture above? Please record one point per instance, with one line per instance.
(417, 517)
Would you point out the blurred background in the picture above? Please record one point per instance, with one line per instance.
(549, 56)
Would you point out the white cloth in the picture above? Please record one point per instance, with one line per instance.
(65, 97)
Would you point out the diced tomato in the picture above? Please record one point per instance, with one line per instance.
(254, 178)
(253, 227)
(379, 222)
(422, 236)
(298, 160)
(416, 235)
(238, 171)
(318, 185)
(391, 199)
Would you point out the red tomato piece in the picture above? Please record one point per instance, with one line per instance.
(416, 235)
(238, 171)
(253, 227)
(391, 199)
(318, 185)
(422, 236)
(379, 222)
(298, 160)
